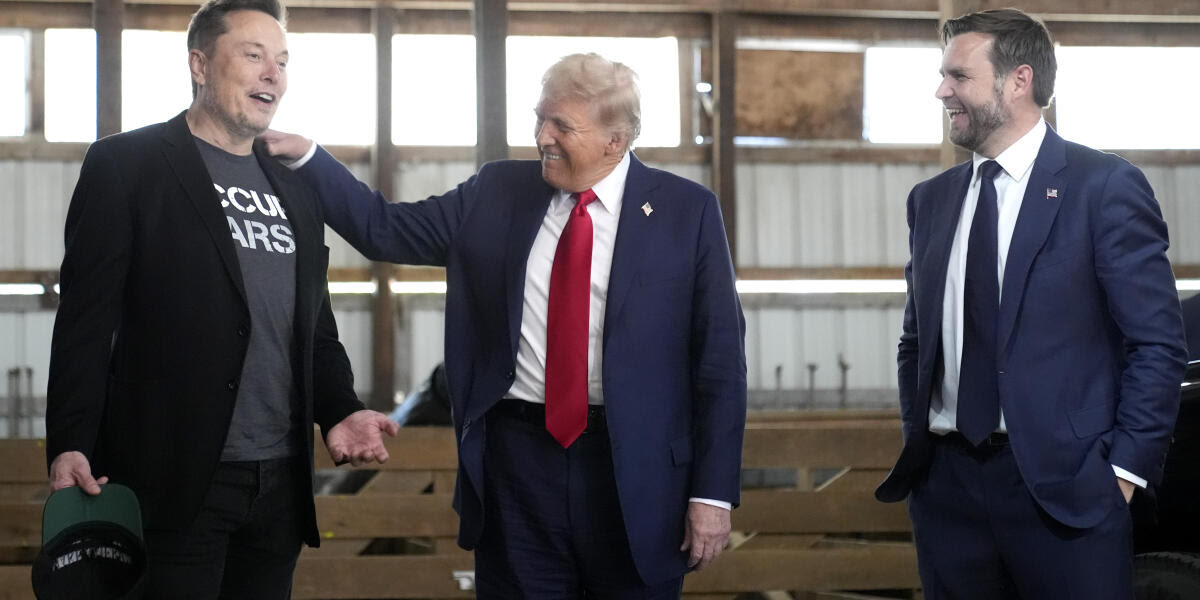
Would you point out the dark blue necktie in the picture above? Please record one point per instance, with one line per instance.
(978, 392)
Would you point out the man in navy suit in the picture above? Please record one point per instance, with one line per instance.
(640, 487)
(1042, 347)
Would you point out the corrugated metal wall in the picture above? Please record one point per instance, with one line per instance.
(808, 215)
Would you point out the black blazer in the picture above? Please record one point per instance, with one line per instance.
(153, 324)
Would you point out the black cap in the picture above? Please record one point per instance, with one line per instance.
(91, 546)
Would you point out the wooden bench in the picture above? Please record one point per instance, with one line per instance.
(818, 535)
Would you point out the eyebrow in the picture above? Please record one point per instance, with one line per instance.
(261, 46)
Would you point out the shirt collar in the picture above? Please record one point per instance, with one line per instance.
(1017, 159)
(610, 191)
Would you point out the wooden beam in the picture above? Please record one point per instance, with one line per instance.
(724, 125)
(490, 20)
(383, 306)
(865, 30)
(38, 14)
(880, 566)
(108, 18)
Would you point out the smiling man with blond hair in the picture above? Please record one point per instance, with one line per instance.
(594, 347)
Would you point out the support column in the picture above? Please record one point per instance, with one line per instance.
(383, 166)
(724, 159)
(489, 18)
(951, 9)
(108, 18)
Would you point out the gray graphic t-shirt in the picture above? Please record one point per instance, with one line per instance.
(266, 416)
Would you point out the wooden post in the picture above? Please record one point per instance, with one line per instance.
(724, 160)
(950, 9)
(108, 17)
(490, 22)
(35, 121)
(383, 165)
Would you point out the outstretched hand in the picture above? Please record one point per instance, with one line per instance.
(72, 468)
(358, 438)
(287, 147)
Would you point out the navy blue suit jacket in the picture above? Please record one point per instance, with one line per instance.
(674, 358)
(1090, 341)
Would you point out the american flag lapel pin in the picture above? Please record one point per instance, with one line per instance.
(1051, 193)
(646, 209)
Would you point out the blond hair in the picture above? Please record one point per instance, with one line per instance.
(610, 87)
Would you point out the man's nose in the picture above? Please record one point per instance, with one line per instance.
(943, 91)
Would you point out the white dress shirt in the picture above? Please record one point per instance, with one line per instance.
(530, 382)
(1016, 163)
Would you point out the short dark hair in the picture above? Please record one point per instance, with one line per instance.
(1019, 39)
(209, 22)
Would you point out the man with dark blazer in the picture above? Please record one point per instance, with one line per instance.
(623, 503)
(1042, 347)
(194, 345)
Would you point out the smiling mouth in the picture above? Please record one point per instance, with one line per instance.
(264, 97)
(551, 156)
(954, 112)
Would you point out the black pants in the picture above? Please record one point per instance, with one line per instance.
(243, 544)
(553, 528)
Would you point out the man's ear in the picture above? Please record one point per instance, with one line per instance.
(1021, 79)
(618, 142)
(197, 64)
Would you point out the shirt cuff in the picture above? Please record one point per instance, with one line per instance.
(303, 160)
(710, 502)
(1130, 477)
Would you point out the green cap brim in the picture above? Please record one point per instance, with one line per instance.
(115, 504)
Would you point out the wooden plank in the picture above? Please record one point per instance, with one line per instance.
(386, 515)
(855, 480)
(800, 95)
(490, 20)
(876, 567)
(793, 512)
(821, 448)
(15, 583)
(21, 525)
(381, 577)
(23, 461)
(865, 30)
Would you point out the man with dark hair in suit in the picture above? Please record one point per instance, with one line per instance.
(194, 345)
(1042, 348)
(594, 347)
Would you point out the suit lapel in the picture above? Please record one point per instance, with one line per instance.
(944, 214)
(188, 166)
(634, 228)
(1038, 211)
(528, 210)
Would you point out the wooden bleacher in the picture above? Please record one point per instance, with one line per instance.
(818, 538)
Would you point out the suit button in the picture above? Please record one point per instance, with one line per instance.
(510, 375)
(242, 331)
(231, 385)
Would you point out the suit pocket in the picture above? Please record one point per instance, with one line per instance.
(1092, 420)
(1059, 257)
(681, 450)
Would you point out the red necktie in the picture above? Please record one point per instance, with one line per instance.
(567, 326)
